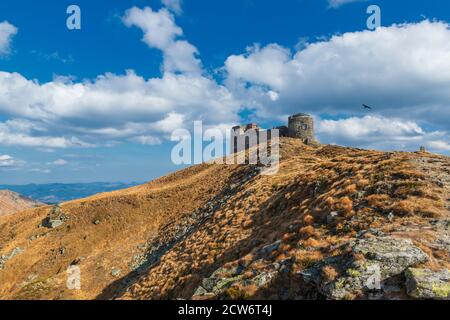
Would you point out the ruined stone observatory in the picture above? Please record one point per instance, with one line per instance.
(301, 126)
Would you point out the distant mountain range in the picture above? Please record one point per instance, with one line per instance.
(59, 192)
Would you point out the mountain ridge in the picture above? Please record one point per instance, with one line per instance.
(226, 231)
(12, 202)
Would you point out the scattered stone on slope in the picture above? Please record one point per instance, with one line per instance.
(443, 241)
(367, 268)
(271, 247)
(223, 279)
(55, 219)
(5, 258)
(331, 218)
(115, 272)
(427, 284)
(219, 281)
(30, 279)
(442, 228)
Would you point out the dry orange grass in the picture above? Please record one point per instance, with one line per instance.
(293, 206)
(329, 273)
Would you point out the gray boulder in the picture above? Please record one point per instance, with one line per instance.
(55, 219)
(115, 272)
(52, 224)
(367, 268)
(219, 281)
(223, 278)
(271, 247)
(427, 284)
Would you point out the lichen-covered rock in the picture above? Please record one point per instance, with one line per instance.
(55, 219)
(366, 268)
(201, 292)
(393, 254)
(52, 224)
(226, 278)
(427, 284)
(219, 281)
(442, 228)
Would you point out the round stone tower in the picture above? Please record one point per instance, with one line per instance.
(301, 126)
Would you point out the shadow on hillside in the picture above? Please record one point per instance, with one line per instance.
(152, 256)
(268, 225)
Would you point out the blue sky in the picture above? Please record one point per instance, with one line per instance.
(99, 104)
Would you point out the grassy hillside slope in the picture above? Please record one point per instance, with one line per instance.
(219, 231)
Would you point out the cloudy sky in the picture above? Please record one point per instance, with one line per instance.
(100, 103)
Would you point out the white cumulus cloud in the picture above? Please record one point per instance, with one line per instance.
(29, 134)
(173, 5)
(402, 71)
(381, 133)
(161, 32)
(7, 32)
(61, 114)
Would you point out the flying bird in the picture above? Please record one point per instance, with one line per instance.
(367, 107)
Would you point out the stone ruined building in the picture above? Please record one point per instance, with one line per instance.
(238, 130)
(300, 126)
(245, 132)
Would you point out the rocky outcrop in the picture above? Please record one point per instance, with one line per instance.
(222, 282)
(368, 268)
(442, 228)
(219, 281)
(55, 219)
(427, 284)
